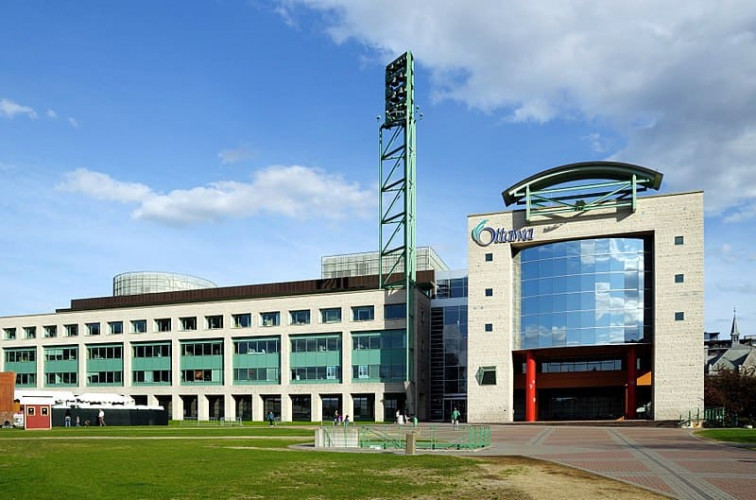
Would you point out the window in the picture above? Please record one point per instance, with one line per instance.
(214, 322)
(486, 375)
(679, 240)
(489, 327)
(188, 324)
(394, 311)
(242, 320)
(9, 333)
(270, 318)
(679, 316)
(105, 352)
(489, 257)
(139, 326)
(163, 325)
(679, 278)
(332, 315)
(363, 313)
(93, 328)
(489, 292)
(300, 317)
(20, 356)
(51, 331)
(72, 330)
(30, 332)
(115, 327)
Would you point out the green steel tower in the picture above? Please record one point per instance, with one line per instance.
(397, 201)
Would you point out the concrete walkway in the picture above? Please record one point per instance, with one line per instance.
(668, 461)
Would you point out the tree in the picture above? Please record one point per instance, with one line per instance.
(735, 390)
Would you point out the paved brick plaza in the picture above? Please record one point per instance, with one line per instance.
(669, 461)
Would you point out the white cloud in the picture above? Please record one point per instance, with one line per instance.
(103, 187)
(10, 109)
(675, 80)
(240, 154)
(52, 114)
(74, 123)
(290, 191)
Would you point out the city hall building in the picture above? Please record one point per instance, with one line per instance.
(585, 302)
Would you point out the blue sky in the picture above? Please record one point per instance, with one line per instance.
(237, 140)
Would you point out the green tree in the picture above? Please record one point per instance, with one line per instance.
(735, 390)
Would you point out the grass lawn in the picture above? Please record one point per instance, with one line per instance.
(106, 466)
(730, 435)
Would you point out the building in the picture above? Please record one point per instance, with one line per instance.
(300, 349)
(736, 354)
(588, 302)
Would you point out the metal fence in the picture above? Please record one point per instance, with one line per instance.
(711, 417)
(442, 437)
(211, 422)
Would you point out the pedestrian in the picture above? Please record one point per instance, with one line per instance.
(68, 417)
(271, 418)
(399, 417)
(78, 421)
(336, 418)
(346, 421)
(101, 417)
(455, 418)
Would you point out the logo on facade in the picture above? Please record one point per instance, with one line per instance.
(484, 235)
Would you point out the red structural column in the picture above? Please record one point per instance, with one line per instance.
(632, 377)
(530, 387)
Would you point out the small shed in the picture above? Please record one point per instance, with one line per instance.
(37, 413)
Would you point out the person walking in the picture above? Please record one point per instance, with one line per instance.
(271, 418)
(336, 418)
(68, 417)
(101, 417)
(455, 418)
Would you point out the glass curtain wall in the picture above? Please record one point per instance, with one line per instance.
(586, 292)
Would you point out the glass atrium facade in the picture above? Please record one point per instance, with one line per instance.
(583, 293)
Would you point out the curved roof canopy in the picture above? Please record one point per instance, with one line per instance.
(612, 184)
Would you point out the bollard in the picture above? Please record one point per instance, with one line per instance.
(410, 444)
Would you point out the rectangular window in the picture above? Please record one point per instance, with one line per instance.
(139, 326)
(214, 322)
(363, 313)
(330, 315)
(30, 332)
(93, 328)
(489, 327)
(486, 375)
(489, 292)
(9, 333)
(72, 330)
(51, 331)
(300, 317)
(395, 311)
(115, 327)
(242, 320)
(188, 324)
(679, 278)
(270, 318)
(163, 325)
(679, 240)
(679, 316)
(489, 257)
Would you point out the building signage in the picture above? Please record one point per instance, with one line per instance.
(484, 235)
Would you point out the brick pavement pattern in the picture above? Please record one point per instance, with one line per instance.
(668, 461)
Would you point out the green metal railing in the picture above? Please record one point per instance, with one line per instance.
(711, 417)
(391, 437)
